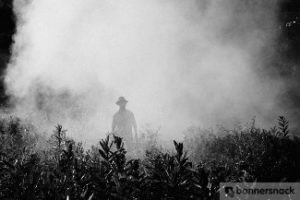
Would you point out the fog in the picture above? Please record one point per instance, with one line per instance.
(179, 63)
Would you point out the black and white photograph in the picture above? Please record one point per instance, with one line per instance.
(149, 99)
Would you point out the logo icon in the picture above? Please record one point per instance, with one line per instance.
(229, 191)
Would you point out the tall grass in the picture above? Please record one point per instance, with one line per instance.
(64, 170)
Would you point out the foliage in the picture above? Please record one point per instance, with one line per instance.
(64, 170)
(249, 154)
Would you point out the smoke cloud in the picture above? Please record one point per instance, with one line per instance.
(179, 63)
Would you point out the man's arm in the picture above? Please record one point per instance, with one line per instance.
(113, 126)
(134, 126)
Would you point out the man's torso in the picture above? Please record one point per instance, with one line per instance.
(123, 123)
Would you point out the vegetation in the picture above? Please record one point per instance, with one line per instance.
(61, 169)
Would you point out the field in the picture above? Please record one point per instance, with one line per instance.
(33, 167)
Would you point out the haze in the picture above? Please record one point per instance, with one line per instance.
(179, 63)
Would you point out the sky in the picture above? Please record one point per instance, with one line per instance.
(179, 63)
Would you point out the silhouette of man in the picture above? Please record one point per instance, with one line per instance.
(124, 122)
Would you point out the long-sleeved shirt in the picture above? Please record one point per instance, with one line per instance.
(123, 122)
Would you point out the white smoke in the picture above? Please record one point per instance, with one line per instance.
(179, 63)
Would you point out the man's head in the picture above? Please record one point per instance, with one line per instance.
(122, 102)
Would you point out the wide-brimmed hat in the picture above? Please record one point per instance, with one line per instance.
(121, 100)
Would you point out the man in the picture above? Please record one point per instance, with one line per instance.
(124, 122)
